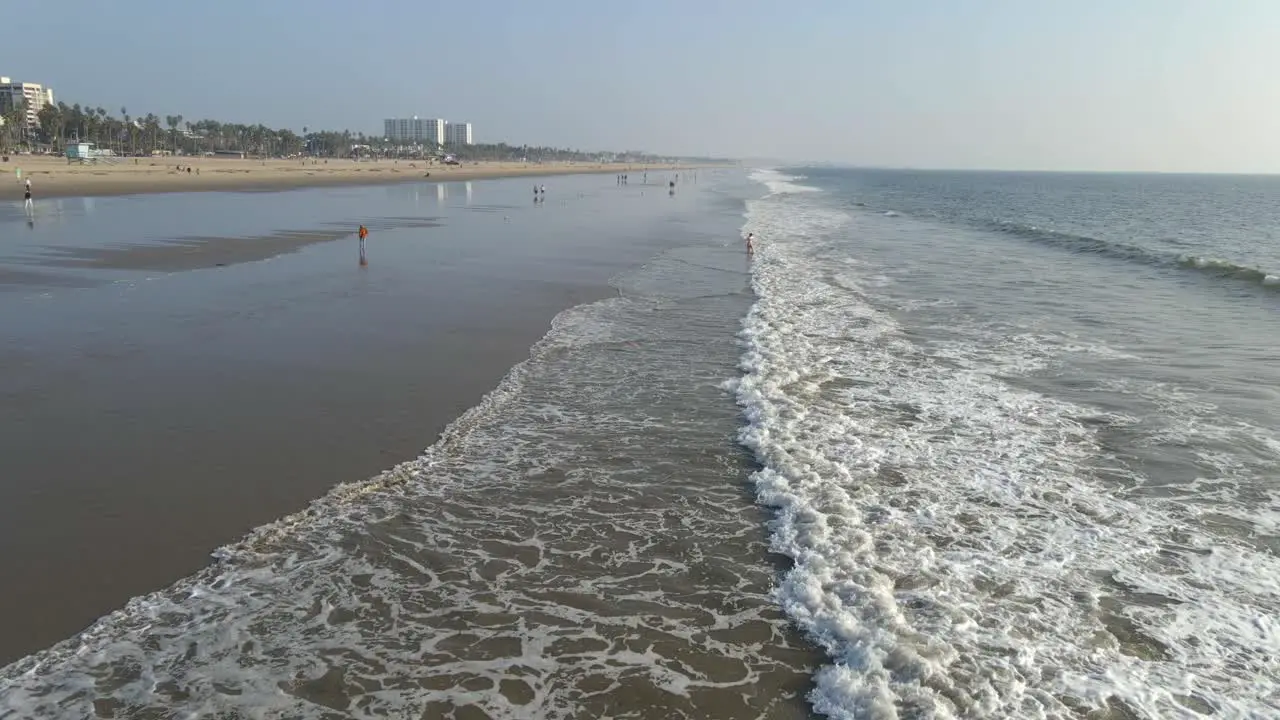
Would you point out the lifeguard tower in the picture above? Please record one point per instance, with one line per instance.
(84, 152)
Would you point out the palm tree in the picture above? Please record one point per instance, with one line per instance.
(172, 122)
(128, 131)
(48, 119)
(151, 124)
(104, 127)
(213, 130)
(14, 120)
(61, 120)
(90, 125)
(75, 119)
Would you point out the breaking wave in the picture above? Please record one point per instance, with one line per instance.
(957, 551)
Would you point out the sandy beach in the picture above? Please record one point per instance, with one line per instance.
(53, 177)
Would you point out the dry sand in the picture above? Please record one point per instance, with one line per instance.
(54, 177)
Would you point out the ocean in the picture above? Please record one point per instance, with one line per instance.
(950, 445)
(1018, 433)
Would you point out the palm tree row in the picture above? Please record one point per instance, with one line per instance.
(127, 135)
(12, 126)
(150, 134)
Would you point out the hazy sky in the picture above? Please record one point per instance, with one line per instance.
(1084, 84)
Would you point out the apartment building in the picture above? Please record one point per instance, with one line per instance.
(457, 134)
(414, 130)
(32, 96)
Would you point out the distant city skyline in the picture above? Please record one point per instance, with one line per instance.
(1166, 85)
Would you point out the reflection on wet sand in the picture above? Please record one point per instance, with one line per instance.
(197, 251)
(12, 279)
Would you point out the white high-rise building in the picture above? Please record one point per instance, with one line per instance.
(32, 96)
(414, 129)
(457, 134)
(433, 130)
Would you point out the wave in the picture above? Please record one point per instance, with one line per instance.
(1227, 269)
(1115, 250)
(1212, 267)
(954, 553)
(779, 182)
(1082, 244)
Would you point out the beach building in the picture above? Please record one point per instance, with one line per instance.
(33, 97)
(414, 130)
(457, 134)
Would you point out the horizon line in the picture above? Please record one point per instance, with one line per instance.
(1026, 171)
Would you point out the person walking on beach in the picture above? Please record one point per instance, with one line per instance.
(364, 233)
(26, 203)
(751, 248)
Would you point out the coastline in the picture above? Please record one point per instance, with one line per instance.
(54, 177)
(529, 525)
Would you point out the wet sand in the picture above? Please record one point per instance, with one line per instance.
(148, 419)
(190, 253)
(16, 278)
(54, 177)
(195, 252)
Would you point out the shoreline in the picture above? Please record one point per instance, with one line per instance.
(53, 177)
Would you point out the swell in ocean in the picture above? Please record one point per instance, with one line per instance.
(960, 544)
(1210, 267)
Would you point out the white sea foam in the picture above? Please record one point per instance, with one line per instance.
(779, 183)
(957, 551)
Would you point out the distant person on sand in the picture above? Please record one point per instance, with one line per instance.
(27, 204)
(751, 248)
